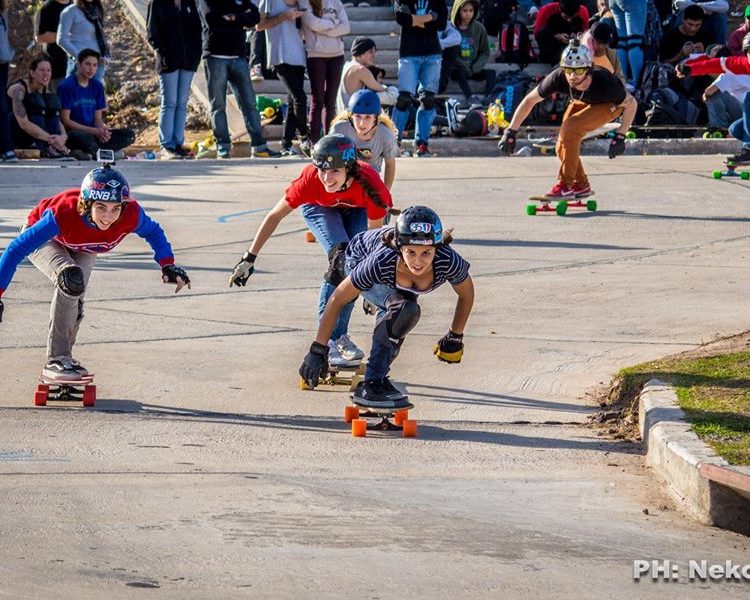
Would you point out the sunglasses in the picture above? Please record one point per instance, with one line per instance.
(575, 70)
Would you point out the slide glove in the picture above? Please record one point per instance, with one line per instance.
(683, 70)
(243, 270)
(617, 146)
(175, 274)
(450, 347)
(314, 365)
(1, 310)
(507, 143)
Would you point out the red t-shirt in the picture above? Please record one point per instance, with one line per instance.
(308, 189)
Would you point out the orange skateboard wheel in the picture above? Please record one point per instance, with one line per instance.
(89, 395)
(400, 416)
(351, 413)
(40, 398)
(309, 236)
(359, 427)
(409, 428)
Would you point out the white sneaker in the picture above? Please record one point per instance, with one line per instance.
(61, 368)
(349, 349)
(256, 73)
(335, 359)
(82, 371)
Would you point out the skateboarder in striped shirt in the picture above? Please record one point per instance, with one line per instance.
(391, 267)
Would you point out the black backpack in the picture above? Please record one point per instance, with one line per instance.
(515, 43)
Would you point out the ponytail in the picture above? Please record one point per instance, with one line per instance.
(374, 195)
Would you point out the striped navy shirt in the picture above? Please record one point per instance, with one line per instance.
(371, 262)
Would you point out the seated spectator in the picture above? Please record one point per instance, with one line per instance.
(598, 39)
(684, 39)
(556, 23)
(723, 106)
(372, 132)
(715, 23)
(82, 28)
(356, 75)
(735, 40)
(36, 112)
(6, 55)
(83, 103)
(450, 42)
(474, 50)
(390, 95)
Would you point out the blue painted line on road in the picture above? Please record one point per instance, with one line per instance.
(22, 456)
(225, 218)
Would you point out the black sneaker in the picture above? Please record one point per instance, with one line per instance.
(741, 158)
(183, 152)
(61, 368)
(392, 392)
(372, 394)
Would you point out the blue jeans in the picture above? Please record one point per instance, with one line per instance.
(333, 226)
(740, 129)
(236, 73)
(630, 20)
(417, 74)
(99, 72)
(175, 91)
(723, 109)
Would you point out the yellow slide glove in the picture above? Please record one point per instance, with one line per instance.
(450, 347)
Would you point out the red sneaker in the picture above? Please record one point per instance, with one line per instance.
(560, 190)
(581, 190)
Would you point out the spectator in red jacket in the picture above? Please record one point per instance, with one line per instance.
(556, 23)
(735, 39)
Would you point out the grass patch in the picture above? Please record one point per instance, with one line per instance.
(713, 391)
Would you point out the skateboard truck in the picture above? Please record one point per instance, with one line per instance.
(82, 390)
(731, 172)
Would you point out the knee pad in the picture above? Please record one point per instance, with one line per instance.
(336, 258)
(70, 281)
(427, 100)
(403, 102)
(401, 317)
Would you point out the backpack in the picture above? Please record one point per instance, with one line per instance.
(664, 110)
(654, 76)
(510, 88)
(515, 44)
(549, 111)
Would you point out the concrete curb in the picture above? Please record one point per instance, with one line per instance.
(696, 476)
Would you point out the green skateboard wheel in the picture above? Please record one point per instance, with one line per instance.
(591, 205)
(561, 208)
(745, 175)
(531, 209)
(716, 174)
(630, 135)
(717, 135)
(706, 135)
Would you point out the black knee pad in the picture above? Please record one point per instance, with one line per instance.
(403, 102)
(70, 281)
(336, 273)
(401, 316)
(427, 100)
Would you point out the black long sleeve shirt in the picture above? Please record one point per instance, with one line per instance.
(421, 41)
(222, 36)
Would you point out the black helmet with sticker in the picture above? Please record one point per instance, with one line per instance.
(418, 225)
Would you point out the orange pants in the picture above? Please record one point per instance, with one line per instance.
(579, 119)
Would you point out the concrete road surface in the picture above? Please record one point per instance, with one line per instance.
(204, 472)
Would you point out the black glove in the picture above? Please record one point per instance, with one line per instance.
(170, 273)
(1, 311)
(315, 364)
(507, 143)
(243, 270)
(617, 146)
(450, 347)
(683, 69)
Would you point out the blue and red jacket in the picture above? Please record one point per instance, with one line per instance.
(56, 218)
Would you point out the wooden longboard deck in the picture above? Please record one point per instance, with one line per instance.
(73, 383)
(380, 412)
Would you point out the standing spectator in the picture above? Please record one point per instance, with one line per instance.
(82, 27)
(450, 44)
(556, 24)
(474, 48)
(685, 39)
(324, 23)
(174, 32)
(256, 41)
(224, 24)
(83, 103)
(735, 40)
(6, 55)
(357, 73)
(48, 20)
(715, 23)
(286, 54)
(419, 61)
(36, 112)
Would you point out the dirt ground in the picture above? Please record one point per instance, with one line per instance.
(131, 83)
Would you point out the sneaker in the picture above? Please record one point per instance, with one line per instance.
(373, 394)
(183, 152)
(349, 349)
(305, 147)
(582, 190)
(560, 190)
(81, 155)
(392, 392)
(256, 73)
(742, 157)
(264, 152)
(82, 371)
(9, 157)
(422, 150)
(53, 154)
(335, 360)
(222, 153)
(168, 154)
(61, 368)
(287, 151)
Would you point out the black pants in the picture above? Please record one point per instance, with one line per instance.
(79, 140)
(446, 66)
(293, 78)
(463, 76)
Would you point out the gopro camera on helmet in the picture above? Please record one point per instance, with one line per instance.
(106, 157)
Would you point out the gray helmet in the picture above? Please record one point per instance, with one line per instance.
(576, 56)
